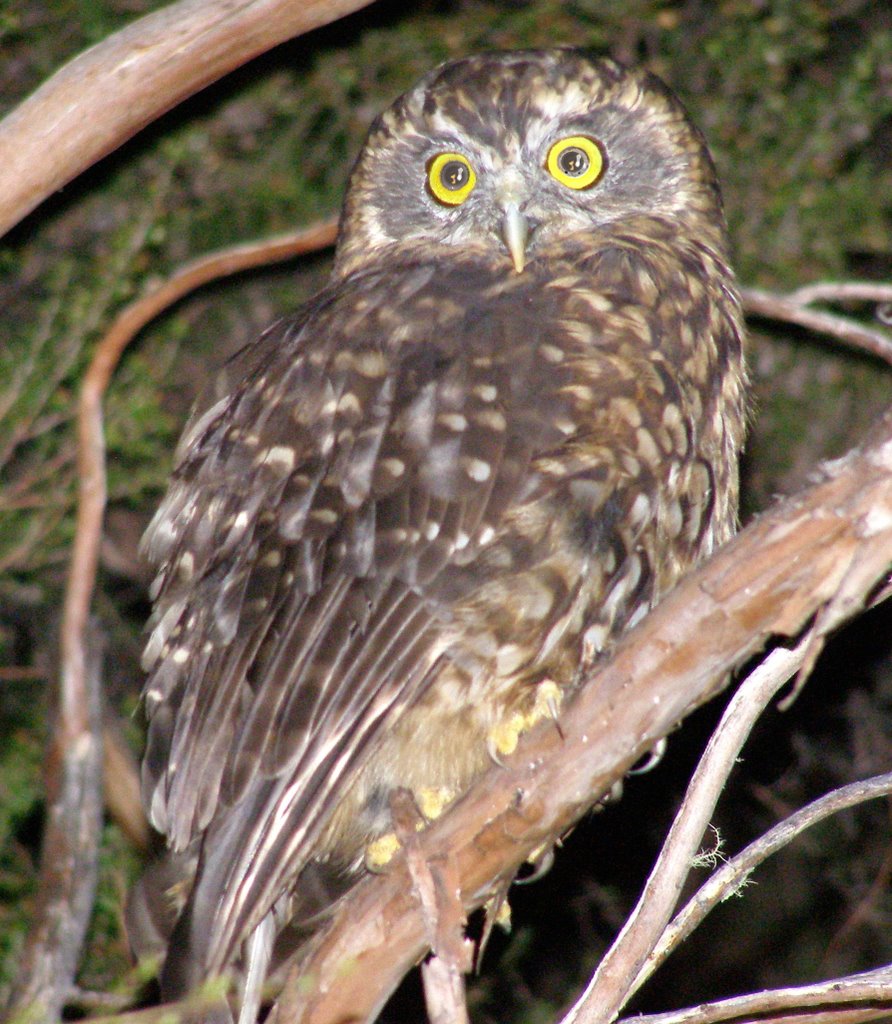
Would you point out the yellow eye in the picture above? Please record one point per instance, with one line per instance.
(576, 161)
(450, 178)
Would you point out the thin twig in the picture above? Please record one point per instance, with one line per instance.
(859, 997)
(787, 308)
(626, 965)
(728, 879)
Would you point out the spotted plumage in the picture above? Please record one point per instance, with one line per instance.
(430, 500)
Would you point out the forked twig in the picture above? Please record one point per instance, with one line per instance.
(794, 308)
(629, 961)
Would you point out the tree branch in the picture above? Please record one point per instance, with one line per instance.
(110, 92)
(732, 875)
(70, 848)
(629, 961)
(794, 309)
(851, 1000)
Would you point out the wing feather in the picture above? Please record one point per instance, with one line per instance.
(323, 520)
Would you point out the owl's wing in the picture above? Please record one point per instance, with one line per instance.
(310, 548)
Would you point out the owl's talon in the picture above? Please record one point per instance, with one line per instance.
(503, 739)
(654, 756)
(498, 910)
(432, 801)
(540, 860)
(611, 796)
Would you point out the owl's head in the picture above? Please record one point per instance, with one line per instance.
(511, 152)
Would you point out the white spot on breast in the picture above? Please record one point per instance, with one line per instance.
(477, 469)
(369, 364)
(486, 392)
(280, 457)
(453, 421)
(639, 513)
(537, 601)
(646, 445)
(509, 659)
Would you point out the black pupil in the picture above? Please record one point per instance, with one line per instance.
(454, 175)
(573, 161)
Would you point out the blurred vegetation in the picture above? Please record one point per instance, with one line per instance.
(795, 98)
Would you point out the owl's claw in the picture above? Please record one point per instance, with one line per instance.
(503, 738)
(654, 756)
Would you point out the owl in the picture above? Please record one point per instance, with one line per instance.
(430, 500)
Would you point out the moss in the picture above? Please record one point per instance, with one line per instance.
(21, 803)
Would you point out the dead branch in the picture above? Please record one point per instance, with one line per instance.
(630, 961)
(69, 852)
(821, 551)
(733, 874)
(851, 1000)
(110, 92)
(794, 308)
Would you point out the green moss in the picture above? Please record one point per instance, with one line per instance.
(21, 802)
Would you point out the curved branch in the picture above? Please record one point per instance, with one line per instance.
(110, 92)
(630, 960)
(795, 309)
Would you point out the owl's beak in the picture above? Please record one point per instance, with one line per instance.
(515, 231)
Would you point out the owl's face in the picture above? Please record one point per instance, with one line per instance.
(510, 152)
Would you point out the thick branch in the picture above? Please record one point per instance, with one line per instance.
(69, 854)
(110, 92)
(819, 552)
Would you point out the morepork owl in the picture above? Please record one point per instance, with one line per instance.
(435, 495)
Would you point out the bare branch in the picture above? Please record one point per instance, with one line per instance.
(811, 552)
(851, 1000)
(69, 852)
(198, 272)
(629, 962)
(842, 291)
(110, 92)
(730, 876)
(794, 309)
